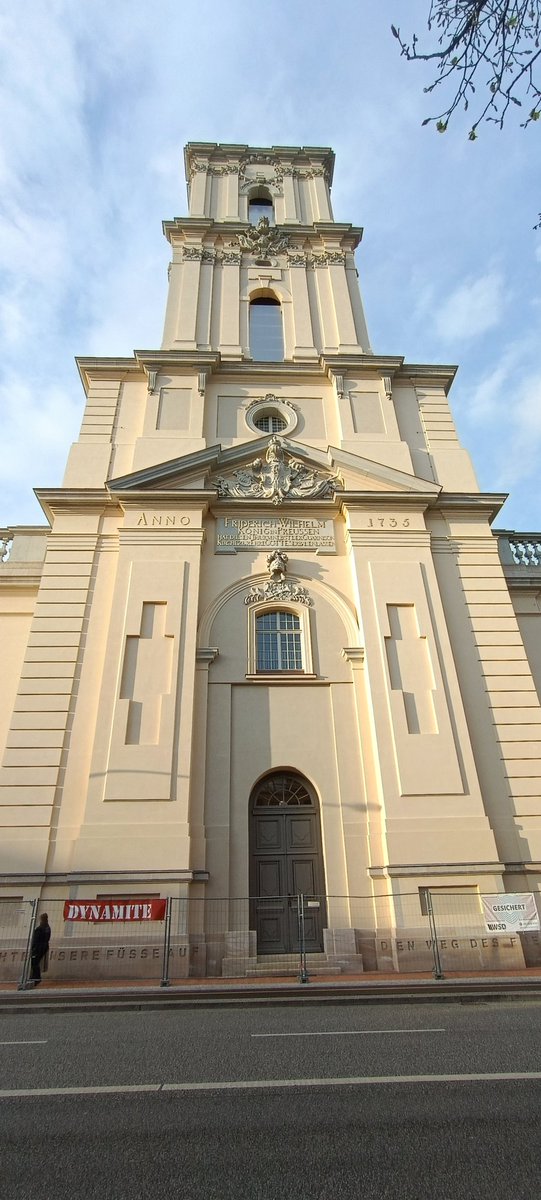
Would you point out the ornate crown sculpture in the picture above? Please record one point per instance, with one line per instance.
(277, 478)
(278, 587)
(263, 240)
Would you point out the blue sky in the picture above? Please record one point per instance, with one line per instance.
(97, 100)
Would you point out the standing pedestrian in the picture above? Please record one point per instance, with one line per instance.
(39, 949)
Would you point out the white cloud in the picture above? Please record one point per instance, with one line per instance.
(473, 307)
(39, 423)
(96, 103)
(521, 446)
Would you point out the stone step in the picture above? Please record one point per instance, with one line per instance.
(291, 970)
(291, 959)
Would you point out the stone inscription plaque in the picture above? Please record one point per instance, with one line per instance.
(274, 533)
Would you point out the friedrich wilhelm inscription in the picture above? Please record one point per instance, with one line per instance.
(282, 533)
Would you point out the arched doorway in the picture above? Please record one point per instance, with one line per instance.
(286, 860)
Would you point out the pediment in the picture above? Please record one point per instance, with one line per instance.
(273, 468)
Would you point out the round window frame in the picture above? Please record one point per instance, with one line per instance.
(271, 406)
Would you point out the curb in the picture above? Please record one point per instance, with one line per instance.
(109, 999)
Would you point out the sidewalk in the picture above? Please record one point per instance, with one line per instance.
(367, 987)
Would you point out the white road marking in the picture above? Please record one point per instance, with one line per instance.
(40, 1042)
(344, 1033)
(254, 1084)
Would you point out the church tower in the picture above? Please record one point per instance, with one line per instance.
(267, 646)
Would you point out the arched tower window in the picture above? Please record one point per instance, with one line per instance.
(266, 332)
(260, 205)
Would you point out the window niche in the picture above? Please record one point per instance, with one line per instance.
(260, 204)
(266, 329)
(270, 414)
(279, 642)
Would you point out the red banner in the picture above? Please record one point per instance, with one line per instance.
(114, 910)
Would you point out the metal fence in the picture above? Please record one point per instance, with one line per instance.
(434, 931)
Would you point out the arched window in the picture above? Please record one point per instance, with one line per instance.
(282, 790)
(266, 333)
(260, 205)
(278, 642)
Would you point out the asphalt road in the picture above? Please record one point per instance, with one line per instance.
(306, 1103)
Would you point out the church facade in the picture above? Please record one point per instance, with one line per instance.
(268, 643)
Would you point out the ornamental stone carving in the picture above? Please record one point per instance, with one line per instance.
(296, 260)
(277, 565)
(314, 173)
(262, 160)
(192, 253)
(262, 240)
(278, 587)
(279, 591)
(197, 166)
(6, 541)
(226, 169)
(268, 399)
(277, 477)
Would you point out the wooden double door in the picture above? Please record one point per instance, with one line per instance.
(286, 861)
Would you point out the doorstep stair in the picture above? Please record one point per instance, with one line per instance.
(289, 964)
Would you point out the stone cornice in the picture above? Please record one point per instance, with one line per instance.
(14, 578)
(217, 153)
(144, 361)
(391, 365)
(191, 230)
(412, 499)
(197, 360)
(422, 374)
(473, 503)
(113, 368)
(182, 875)
(425, 869)
(179, 498)
(53, 500)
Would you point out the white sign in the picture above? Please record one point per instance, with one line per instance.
(514, 912)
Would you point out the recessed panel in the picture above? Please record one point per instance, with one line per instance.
(301, 832)
(366, 412)
(174, 409)
(270, 878)
(269, 833)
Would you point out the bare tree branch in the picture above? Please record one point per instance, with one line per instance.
(493, 45)
(486, 52)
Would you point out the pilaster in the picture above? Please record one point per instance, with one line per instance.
(31, 775)
(229, 306)
(302, 317)
(507, 678)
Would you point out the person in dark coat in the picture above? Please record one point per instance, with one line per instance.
(39, 948)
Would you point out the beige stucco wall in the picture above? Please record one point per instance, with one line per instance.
(135, 723)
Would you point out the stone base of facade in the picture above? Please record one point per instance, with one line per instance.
(233, 955)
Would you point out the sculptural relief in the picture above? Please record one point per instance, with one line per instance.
(263, 239)
(277, 477)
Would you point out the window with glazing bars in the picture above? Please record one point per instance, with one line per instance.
(270, 423)
(279, 647)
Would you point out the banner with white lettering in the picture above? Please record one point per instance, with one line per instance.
(112, 910)
(514, 912)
